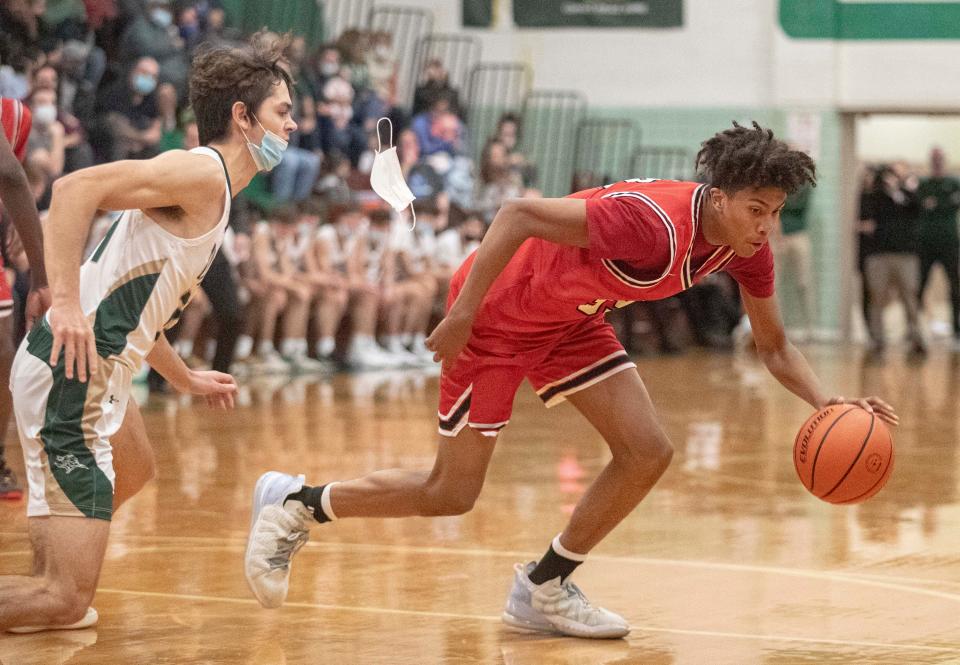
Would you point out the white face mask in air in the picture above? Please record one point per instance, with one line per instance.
(386, 176)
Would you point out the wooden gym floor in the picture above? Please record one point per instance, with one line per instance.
(727, 561)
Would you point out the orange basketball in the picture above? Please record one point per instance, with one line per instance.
(843, 454)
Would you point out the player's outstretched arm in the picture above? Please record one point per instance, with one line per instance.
(218, 388)
(176, 178)
(563, 221)
(788, 365)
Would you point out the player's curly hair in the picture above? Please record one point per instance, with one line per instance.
(223, 75)
(738, 158)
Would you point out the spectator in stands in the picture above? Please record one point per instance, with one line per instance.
(130, 122)
(439, 129)
(337, 132)
(791, 246)
(276, 256)
(188, 26)
(327, 64)
(893, 208)
(498, 182)
(46, 148)
(19, 48)
(81, 70)
(420, 177)
(382, 67)
(866, 244)
(153, 34)
(939, 196)
(508, 133)
(348, 247)
(414, 284)
(455, 244)
(78, 153)
(435, 83)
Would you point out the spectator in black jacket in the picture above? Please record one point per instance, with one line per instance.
(893, 209)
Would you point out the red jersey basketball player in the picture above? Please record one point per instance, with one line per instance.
(17, 202)
(530, 304)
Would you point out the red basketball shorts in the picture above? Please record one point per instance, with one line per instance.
(479, 388)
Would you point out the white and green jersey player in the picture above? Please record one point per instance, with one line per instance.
(84, 441)
(134, 286)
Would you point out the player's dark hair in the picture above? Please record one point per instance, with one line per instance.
(740, 157)
(223, 75)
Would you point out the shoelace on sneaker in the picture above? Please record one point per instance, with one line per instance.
(287, 546)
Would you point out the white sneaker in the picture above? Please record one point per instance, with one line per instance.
(404, 358)
(371, 356)
(276, 534)
(558, 608)
(271, 363)
(89, 620)
(305, 364)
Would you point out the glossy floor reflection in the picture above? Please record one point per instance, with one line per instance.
(728, 561)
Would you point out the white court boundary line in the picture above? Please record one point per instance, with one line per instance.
(219, 544)
(864, 579)
(496, 619)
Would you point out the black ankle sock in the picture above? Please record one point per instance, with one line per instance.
(310, 497)
(551, 566)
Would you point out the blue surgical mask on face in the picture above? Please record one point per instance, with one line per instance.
(161, 17)
(144, 84)
(270, 151)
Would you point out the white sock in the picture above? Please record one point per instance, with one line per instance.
(184, 347)
(394, 343)
(210, 348)
(265, 347)
(244, 347)
(288, 347)
(362, 342)
(326, 346)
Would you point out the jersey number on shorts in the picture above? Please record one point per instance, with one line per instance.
(601, 304)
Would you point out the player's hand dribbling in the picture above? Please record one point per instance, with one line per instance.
(875, 405)
(218, 388)
(449, 338)
(73, 334)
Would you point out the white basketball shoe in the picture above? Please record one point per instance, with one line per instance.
(553, 607)
(276, 534)
(89, 620)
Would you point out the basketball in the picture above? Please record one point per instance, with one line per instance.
(843, 454)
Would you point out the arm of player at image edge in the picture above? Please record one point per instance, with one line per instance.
(218, 388)
(563, 221)
(789, 367)
(18, 200)
(175, 178)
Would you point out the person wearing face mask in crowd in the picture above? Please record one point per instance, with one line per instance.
(153, 34)
(46, 147)
(77, 152)
(129, 125)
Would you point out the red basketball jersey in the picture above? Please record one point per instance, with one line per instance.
(645, 244)
(16, 121)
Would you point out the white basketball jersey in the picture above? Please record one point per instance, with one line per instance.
(140, 278)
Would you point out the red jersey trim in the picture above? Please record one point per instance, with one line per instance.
(620, 269)
(696, 207)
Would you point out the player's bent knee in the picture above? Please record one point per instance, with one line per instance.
(650, 454)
